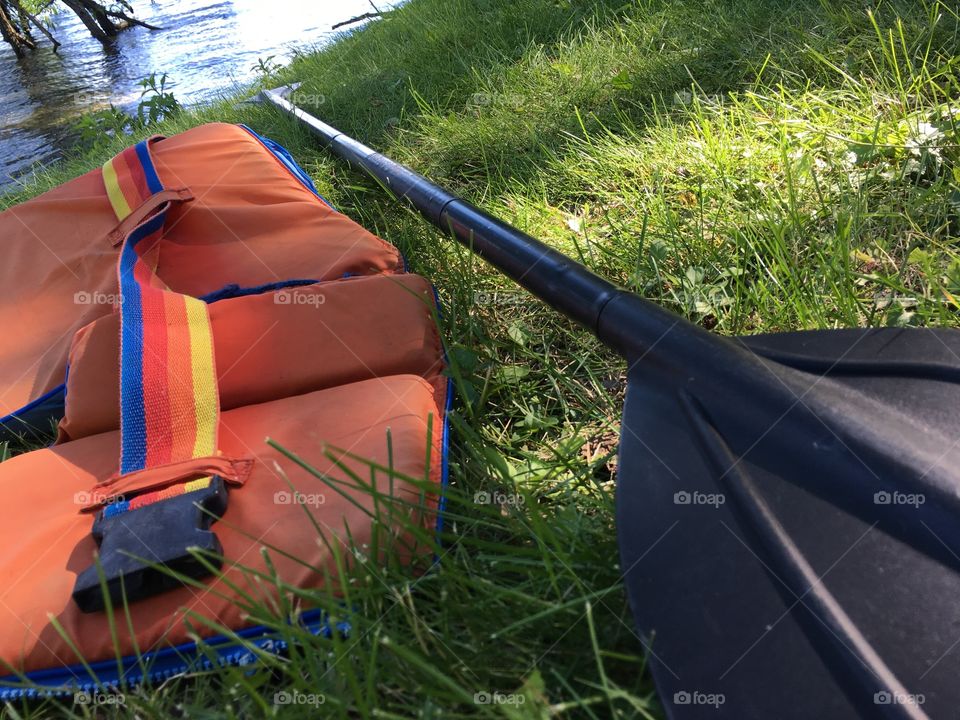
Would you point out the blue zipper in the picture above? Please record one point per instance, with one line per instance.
(159, 665)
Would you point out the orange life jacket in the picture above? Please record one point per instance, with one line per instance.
(171, 311)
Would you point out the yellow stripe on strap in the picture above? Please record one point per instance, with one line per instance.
(204, 377)
(196, 485)
(120, 205)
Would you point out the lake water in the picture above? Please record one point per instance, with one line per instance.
(206, 48)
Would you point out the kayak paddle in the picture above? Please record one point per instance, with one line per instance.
(788, 505)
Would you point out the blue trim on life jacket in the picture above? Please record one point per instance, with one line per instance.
(158, 665)
(445, 447)
(34, 415)
(286, 159)
(233, 290)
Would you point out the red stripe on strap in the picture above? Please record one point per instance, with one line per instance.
(156, 399)
(180, 383)
(134, 182)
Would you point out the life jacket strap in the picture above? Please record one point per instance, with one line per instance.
(169, 403)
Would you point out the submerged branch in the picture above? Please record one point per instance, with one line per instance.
(99, 19)
(40, 26)
(131, 20)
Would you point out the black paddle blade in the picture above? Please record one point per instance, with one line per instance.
(791, 546)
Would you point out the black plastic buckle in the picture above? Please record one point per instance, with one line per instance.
(162, 533)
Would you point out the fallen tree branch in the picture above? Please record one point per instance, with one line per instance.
(18, 38)
(358, 18)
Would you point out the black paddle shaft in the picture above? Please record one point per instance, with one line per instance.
(762, 386)
(623, 321)
(788, 505)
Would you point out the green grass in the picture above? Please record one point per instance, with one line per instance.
(755, 165)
